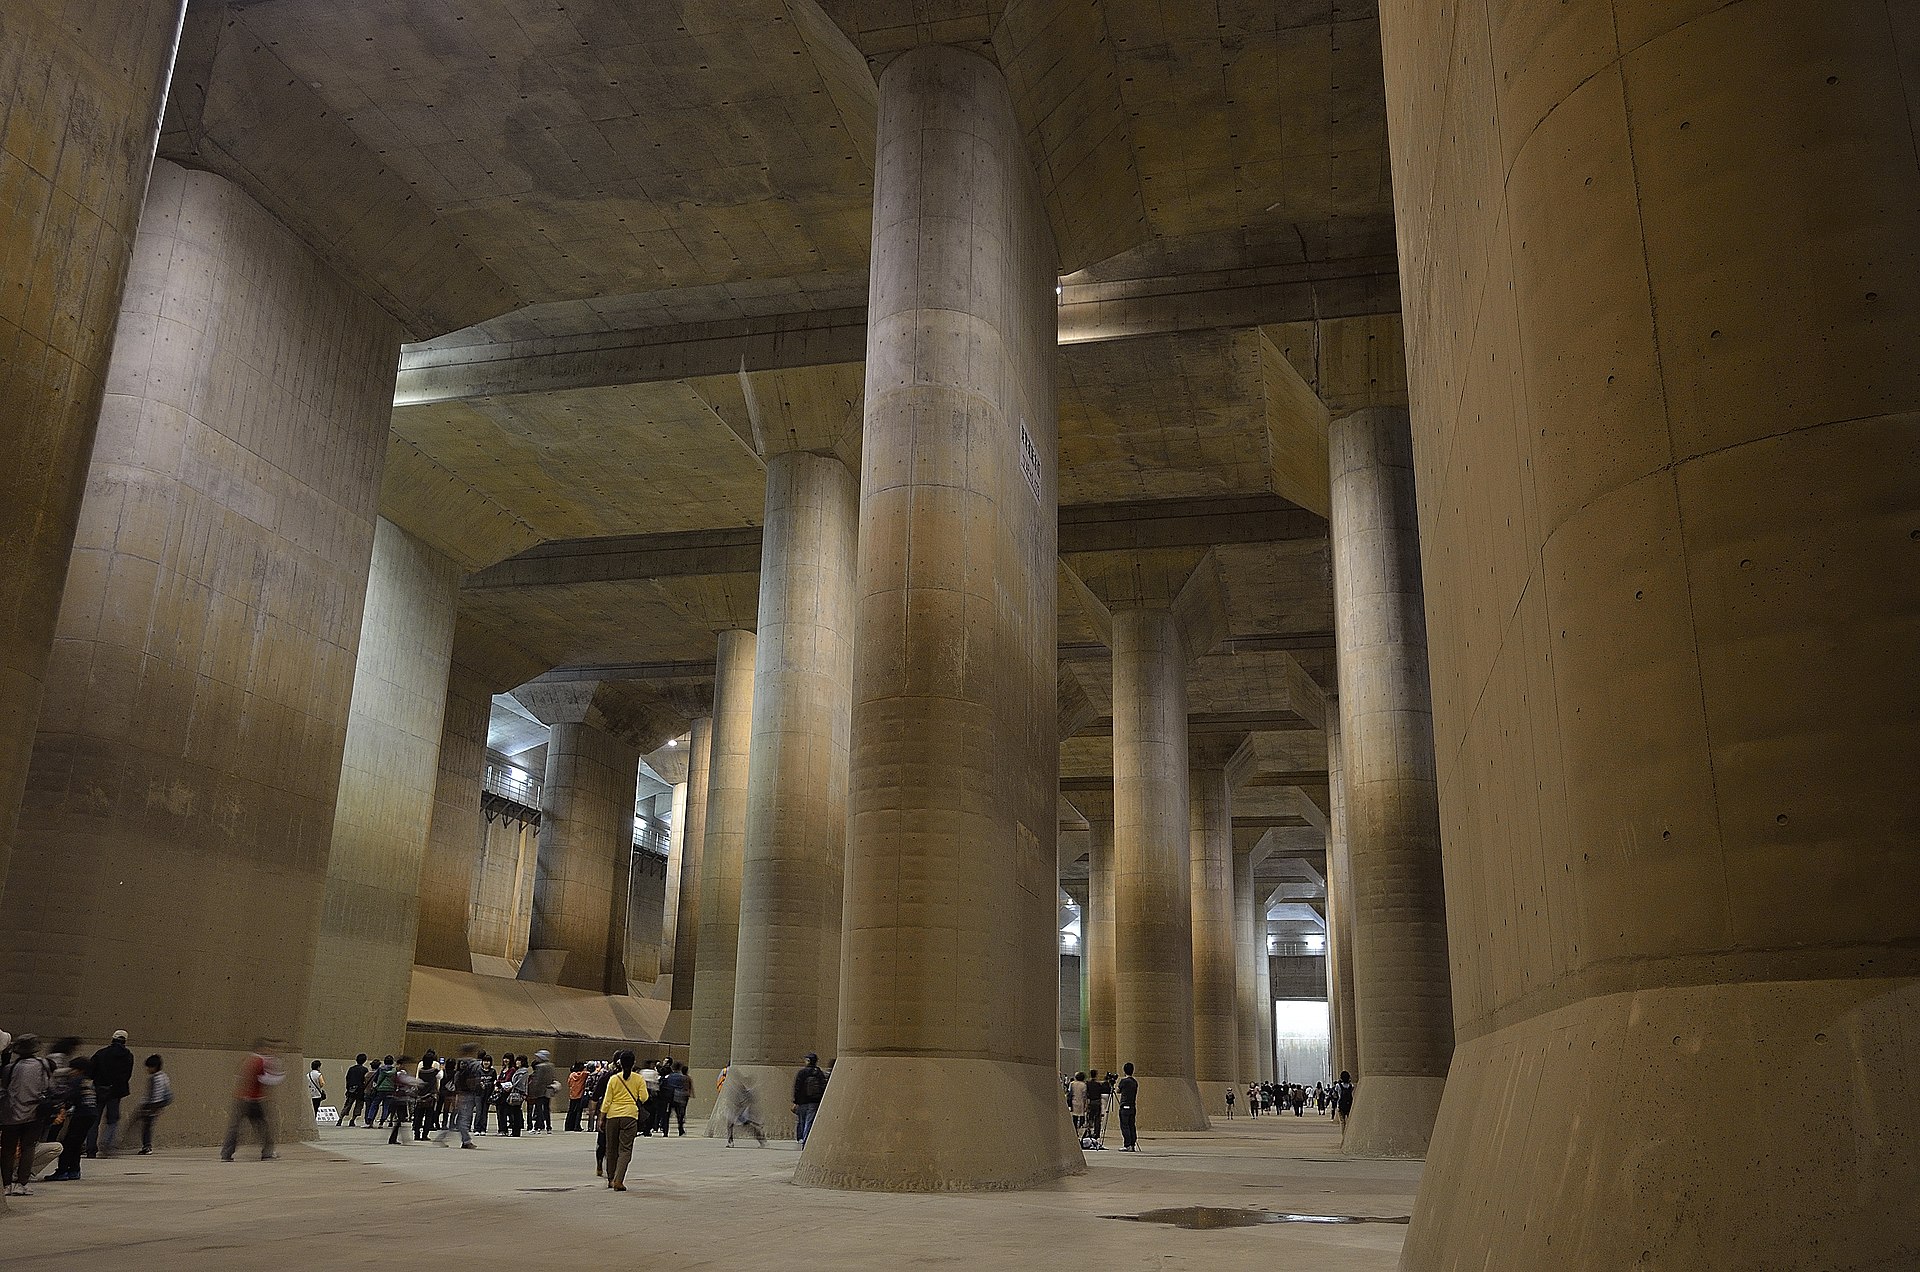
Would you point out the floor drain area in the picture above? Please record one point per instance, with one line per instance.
(1204, 1217)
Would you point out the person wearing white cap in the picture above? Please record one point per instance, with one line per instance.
(112, 1082)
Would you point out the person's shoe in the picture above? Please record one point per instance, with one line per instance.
(21, 1190)
(226, 1157)
(143, 1152)
(619, 1188)
(269, 1157)
(470, 1146)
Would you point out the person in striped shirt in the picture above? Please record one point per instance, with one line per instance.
(159, 1095)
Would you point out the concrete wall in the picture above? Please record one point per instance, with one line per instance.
(175, 836)
(1663, 306)
(364, 961)
(646, 908)
(503, 896)
(79, 110)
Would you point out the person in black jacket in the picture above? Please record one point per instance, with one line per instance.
(809, 1085)
(1128, 1093)
(112, 1082)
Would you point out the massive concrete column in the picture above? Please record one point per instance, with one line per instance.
(1153, 916)
(577, 936)
(173, 844)
(75, 151)
(676, 848)
(456, 834)
(1343, 1039)
(686, 932)
(952, 974)
(1076, 1011)
(1263, 990)
(787, 991)
(363, 963)
(1403, 1013)
(1663, 308)
(1249, 948)
(710, 1040)
(1216, 1039)
(646, 906)
(1103, 972)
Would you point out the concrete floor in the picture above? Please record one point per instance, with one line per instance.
(352, 1201)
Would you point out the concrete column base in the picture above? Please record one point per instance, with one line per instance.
(1214, 1098)
(1392, 1116)
(925, 1124)
(1765, 1124)
(679, 1025)
(1171, 1104)
(543, 966)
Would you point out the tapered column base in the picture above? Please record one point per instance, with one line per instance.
(934, 1124)
(1171, 1104)
(1392, 1116)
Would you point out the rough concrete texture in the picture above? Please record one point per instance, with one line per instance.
(1403, 1009)
(723, 839)
(1664, 356)
(1249, 947)
(676, 846)
(950, 982)
(786, 999)
(686, 936)
(646, 905)
(457, 834)
(1153, 915)
(1102, 968)
(1343, 1041)
(79, 106)
(1216, 1033)
(204, 657)
(1263, 980)
(577, 935)
(357, 1000)
(503, 896)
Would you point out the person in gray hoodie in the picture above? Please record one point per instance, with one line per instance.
(26, 1084)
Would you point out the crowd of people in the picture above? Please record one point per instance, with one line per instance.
(59, 1106)
(1331, 1099)
(1092, 1096)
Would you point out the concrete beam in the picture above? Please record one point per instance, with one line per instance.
(1089, 313)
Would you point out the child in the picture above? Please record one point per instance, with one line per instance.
(159, 1095)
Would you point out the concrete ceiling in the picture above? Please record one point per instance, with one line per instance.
(630, 240)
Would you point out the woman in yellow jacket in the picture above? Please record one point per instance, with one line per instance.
(620, 1112)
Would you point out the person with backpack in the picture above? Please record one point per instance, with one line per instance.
(678, 1089)
(809, 1087)
(1343, 1096)
(467, 1079)
(380, 1106)
(27, 1099)
(541, 1086)
(159, 1096)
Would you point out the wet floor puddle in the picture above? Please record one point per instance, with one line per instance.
(1203, 1217)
